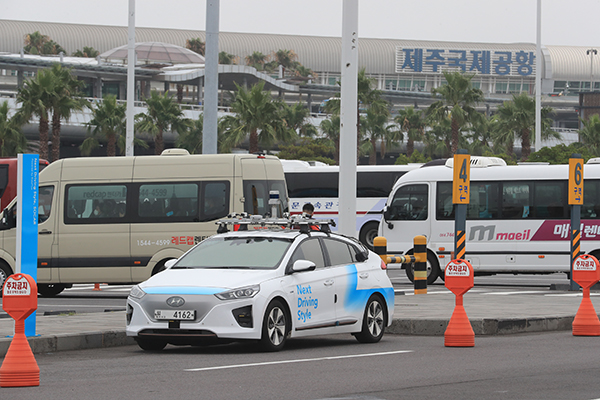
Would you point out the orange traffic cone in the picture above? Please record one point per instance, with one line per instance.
(19, 367)
(459, 332)
(586, 322)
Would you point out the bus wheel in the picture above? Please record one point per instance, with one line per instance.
(50, 290)
(433, 269)
(368, 233)
(5, 272)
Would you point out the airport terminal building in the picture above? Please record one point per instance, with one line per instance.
(405, 70)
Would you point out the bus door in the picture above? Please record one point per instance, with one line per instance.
(409, 215)
(94, 239)
(48, 212)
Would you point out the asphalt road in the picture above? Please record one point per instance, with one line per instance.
(534, 366)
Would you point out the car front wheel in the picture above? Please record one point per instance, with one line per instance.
(374, 321)
(275, 327)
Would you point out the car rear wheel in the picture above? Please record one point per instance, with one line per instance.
(374, 321)
(50, 290)
(150, 344)
(275, 327)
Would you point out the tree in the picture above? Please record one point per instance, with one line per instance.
(108, 120)
(225, 58)
(561, 153)
(191, 139)
(64, 101)
(590, 133)
(52, 47)
(295, 118)
(256, 116)
(35, 98)
(163, 114)
(412, 123)
(457, 103)
(196, 45)
(376, 128)
(308, 150)
(285, 58)
(257, 60)
(331, 130)
(517, 117)
(34, 42)
(12, 140)
(89, 52)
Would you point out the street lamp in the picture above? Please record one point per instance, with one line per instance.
(592, 53)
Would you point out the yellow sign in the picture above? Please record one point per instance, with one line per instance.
(575, 181)
(461, 181)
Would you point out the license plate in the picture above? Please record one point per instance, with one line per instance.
(182, 315)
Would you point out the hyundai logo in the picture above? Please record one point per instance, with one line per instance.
(175, 301)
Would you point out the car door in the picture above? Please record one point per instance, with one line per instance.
(311, 294)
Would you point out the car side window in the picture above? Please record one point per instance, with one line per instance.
(309, 250)
(338, 251)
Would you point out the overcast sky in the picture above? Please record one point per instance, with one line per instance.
(564, 22)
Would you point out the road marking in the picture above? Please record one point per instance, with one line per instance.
(387, 353)
(519, 292)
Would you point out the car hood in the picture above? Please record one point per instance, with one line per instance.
(205, 281)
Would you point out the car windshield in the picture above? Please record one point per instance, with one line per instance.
(236, 253)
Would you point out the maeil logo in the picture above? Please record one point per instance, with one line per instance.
(483, 233)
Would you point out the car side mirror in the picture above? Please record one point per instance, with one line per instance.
(170, 263)
(362, 256)
(303, 265)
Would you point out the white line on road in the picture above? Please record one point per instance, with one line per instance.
(519, 292)
(298, 361)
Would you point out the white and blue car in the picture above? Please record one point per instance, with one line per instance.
(264, 285)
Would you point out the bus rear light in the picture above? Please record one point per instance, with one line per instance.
(383, 265)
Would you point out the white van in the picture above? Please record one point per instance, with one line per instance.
(117, 220)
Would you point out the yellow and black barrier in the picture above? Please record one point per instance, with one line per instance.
(419, 258)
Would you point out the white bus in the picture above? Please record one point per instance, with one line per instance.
(117, 220)
(318, 185)
(518, 219)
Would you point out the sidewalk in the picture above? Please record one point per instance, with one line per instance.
(491, 313)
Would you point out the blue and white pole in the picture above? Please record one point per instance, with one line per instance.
(27, 222)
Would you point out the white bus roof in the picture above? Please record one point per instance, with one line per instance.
(304, 166)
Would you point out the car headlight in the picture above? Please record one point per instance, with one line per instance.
(136, 292)
(241, 293)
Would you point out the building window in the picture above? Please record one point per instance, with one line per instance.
(501, 87)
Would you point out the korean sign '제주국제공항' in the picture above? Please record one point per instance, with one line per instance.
(500, 62)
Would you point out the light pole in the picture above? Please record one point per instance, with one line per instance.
(592, 53)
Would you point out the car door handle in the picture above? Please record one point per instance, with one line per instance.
(364, 275)
(45, 232)
(328, 282)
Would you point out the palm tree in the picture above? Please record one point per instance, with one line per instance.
(225, 58)
(331, 130)
(590, 133)
(481, 135)
(295, 117)
(163, 114)
(256, 115)
(63, 102)
(286, 58)
(196, 45)
(412, 123)
(35, 98)
(257, 60)
(108, 120)
(34, 42)
(518, 117)
(12, 140)
(376, 128)
(191, 140)
(457, 103)
(89, 52)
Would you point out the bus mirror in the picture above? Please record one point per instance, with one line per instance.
(386, 213)
(4, 218)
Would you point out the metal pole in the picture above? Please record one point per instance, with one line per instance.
(591, 53)
(538, 79)
(130, 80)
(211, 78)
(348, 119)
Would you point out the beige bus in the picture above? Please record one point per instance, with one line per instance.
(117, 220)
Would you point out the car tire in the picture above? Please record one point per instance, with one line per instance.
(151, 344)
(374, 321)
(433, 269)
(50, 290)
(5, 272)
(275, 327)
(368, 233)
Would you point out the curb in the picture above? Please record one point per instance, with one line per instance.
(76, 341)
(481, 327)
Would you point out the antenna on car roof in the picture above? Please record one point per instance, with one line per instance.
(240, 222)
